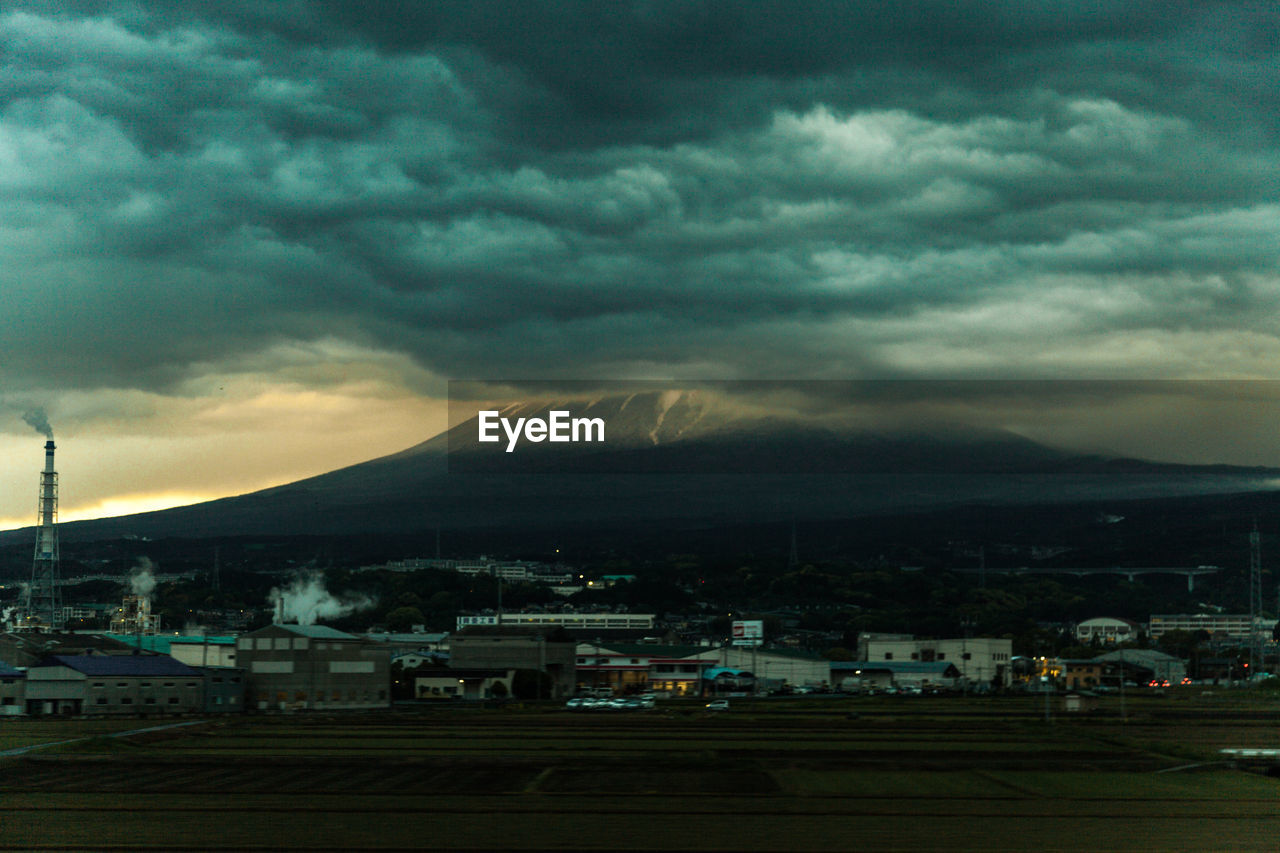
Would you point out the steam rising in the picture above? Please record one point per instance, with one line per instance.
(306, 600)
(141, 580)
(39, 421)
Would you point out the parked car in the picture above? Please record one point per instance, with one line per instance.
(718, 705)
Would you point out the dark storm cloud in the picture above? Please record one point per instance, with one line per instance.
(722, 189)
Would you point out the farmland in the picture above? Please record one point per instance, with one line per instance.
(842, 774)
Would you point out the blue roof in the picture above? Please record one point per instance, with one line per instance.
(7, 671)
(157, 665)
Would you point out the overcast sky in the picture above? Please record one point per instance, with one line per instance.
(245, 242)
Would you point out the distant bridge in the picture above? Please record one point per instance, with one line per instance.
(1131, 572)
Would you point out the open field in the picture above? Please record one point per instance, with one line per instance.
(956, 775)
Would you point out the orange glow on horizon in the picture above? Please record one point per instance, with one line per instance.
(116, 506)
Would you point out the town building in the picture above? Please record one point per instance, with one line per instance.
(224, 688)
(113, 685)
(22, 649)
(473, 684)
(1144, 665)
(1081, 674)
(13, 690)
(569, 621)
(860, 676)
(504, 647)
(640, 667)
(203, 651)
(980, 660)
(1107, 630)
(772, 667)
(1219, 626)
(291, 667)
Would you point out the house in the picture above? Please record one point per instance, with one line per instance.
(638, 667)
(294, 667)
(1081, 674)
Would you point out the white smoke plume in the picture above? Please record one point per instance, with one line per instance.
(306, 600)
(141, 581)
(39, 421)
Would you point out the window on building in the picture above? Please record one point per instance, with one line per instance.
(101, 700)
(282, 643)
(300, 642)
(95, 684)
(888, 655)
(264, 643)
(150, 700)
(942, 656)
(126, 700)
(173, 700)
(967, 655)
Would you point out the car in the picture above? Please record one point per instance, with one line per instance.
(574, 703)
(718, 705)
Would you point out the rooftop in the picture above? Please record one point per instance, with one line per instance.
(122, 665)
(316, 632)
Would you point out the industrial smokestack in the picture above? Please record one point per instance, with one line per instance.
(42, 608)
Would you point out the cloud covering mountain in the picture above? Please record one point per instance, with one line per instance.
(205, 205)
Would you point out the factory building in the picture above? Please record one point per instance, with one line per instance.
(980, 660)
(502, 647)
(28, 649)
(134, 616)
(113, 685)
(223, 689)
(291, 667)
(13, 690)
(204, 651)
(464, 684)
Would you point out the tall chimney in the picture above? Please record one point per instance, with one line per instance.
(42, 609)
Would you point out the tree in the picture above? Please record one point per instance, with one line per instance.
(404, 618)
(531, 684)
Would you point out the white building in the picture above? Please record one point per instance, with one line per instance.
(1107, 630)
(980, 660)
(1234, 626)
(796, 668)
(568, 621)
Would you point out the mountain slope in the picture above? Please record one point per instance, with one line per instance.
(685, 457)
